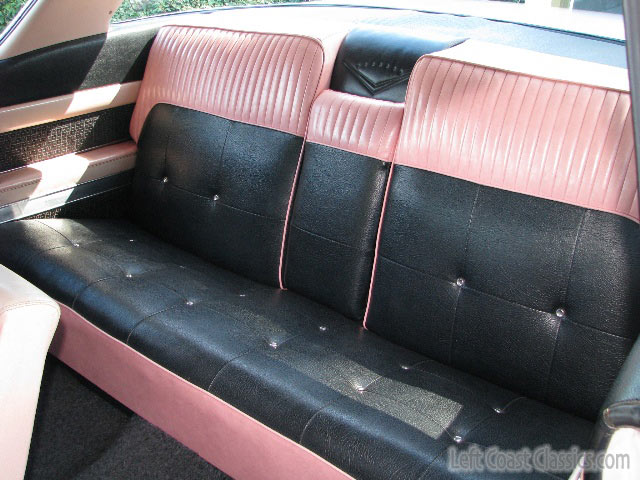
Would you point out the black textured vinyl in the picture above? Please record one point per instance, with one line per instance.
(333, 226)
(222, 195)
(373, 408)
(75, 134)
(531, 294)
(375, 62)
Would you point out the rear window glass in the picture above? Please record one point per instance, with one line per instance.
(8, 10)
(145, 8)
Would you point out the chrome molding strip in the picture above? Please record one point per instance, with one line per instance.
(33, 206)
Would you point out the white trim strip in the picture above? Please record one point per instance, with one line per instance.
(91, 100)
(61, 173)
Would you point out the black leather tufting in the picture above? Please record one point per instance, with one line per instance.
(535, 295)
(222, 195)
(376, 62)
(373, 408)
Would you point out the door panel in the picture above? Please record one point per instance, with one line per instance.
(64, 119)
(117, 57)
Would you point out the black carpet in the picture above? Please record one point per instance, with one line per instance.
(143, 451)
(81, 433)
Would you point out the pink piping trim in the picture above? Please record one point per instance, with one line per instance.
(286, 218)
(375, 254)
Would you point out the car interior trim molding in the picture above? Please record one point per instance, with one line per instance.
(51, 201)
(38, 112)
(64, 172)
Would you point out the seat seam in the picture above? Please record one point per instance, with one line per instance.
(589, 327)
(459, 385)
(358, 249)
(182, 189)
(84, 289)
(227, 314)
(576, 240)
(171, 307)
(111, 261)
(26, 260)
(528, 307)
(488, 417)
(225, 364)
(168, 138)
(221, 157)
(182, 297)
(55, 230)
(248, 212)
(308, 423)
(468, 288)
(464, 265)
(243, 354)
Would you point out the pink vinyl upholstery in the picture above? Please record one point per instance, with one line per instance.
(547, 138)
(242, 76)
(356, 124)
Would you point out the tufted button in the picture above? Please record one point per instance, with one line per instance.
(457, 439)
(405, 367)
(189, 303)
(273, 344)
(360, 388)
(131, 240)
(460, 281)
(76, 244)
(322, 328)
(128, 275)
(165, 179)
(561, 313)
(216, 197)
(498, 410)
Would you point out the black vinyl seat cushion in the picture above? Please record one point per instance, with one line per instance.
(372, 408)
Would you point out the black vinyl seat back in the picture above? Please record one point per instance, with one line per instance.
(338, 201)
(215, 187)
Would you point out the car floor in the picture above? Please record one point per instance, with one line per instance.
(82, 433)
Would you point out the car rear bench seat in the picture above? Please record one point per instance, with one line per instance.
(502, 303)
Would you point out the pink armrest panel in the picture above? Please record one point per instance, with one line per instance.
(28, 319)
